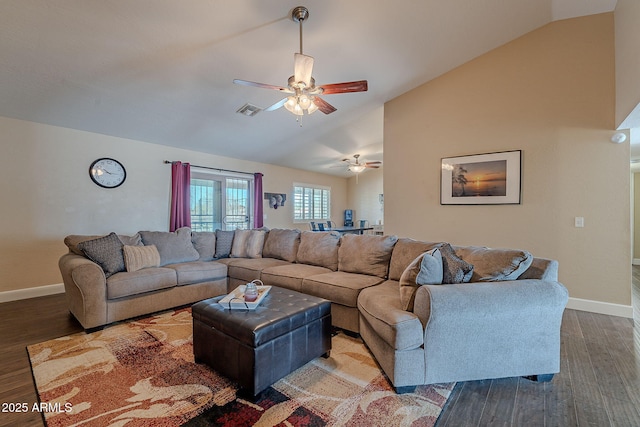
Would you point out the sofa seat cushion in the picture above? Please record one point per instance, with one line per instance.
(339, 287)
(290, 276)
(198, 271)
(248, 269)
(126, 284)
(381, 307)
(227, 261)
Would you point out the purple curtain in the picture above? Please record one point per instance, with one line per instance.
(258, 216)
(180, 196)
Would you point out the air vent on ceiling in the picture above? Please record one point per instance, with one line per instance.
(249, 110)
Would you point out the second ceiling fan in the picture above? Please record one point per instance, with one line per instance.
(304, 94)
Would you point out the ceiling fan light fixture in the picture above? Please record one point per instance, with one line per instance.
(299, 104)
(356, 168)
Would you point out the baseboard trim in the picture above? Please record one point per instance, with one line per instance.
(636, 261)
(27, 293)
(601, 307)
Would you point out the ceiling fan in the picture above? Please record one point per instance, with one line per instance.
(304, 94)
(357, 166)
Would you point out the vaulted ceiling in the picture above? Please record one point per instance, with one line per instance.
(162, 71)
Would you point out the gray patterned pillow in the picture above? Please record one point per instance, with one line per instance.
(454, 269)
(106, 252)
(224, 242)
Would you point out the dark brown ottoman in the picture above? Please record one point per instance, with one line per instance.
(255, 348)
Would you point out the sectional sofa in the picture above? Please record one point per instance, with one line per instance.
(428, 311)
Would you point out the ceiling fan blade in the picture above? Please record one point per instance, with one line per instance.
(277, 105)
(262, 85)
(376, 162)
(303, 66)
(370, 166)
(359, 86)
(323, 105)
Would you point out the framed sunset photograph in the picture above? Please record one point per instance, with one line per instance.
(481, 179)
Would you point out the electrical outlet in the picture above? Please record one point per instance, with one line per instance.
(579, 221)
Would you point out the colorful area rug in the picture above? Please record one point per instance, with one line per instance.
(142, 373)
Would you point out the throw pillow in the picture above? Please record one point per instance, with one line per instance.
(490, 265)
(106, 252)
(224, 241)
(454, 269)
(282, 244)
(255, 243)
(247, 244)
(139, 257)
(365, 254)
(319, 248)
(239, 245)
(73, 240)
(205, 244)
(174, 247)
(427, 266)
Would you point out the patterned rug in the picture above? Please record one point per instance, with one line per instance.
(142, 373)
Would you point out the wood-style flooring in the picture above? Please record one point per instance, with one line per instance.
(598, 385)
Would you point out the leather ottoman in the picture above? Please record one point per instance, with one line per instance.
(255, 348)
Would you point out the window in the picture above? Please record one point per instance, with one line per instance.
(220, 202)
(311, 203)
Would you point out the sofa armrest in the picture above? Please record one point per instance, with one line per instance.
(86, 289)
(491, 330)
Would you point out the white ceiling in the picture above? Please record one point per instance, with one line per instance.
(161, 71)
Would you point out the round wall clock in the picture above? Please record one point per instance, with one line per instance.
(107, 173)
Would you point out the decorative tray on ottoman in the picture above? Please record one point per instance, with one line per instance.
(235, 299)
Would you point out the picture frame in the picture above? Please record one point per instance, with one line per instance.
(482, 179)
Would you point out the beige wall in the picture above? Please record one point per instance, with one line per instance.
(47, 193)
(550, 93)
(627, 40)
(363, 196)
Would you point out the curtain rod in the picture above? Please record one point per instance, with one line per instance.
(215, 169)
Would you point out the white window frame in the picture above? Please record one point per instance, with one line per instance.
(201, 173)
(299, 215)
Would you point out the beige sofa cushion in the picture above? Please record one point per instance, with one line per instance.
(290, 276)
(248, 244)
(338, 286)
(248, 269)
(173, 246)
(428, 267)
(381, 307)
(490, 265)
(404, 252)
(137, 282)
(282, 244)
(139, 257)
(365, 254)
(198, 271)
(319, 248)
(205, 243)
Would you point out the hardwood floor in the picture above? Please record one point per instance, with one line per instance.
(598, 385)
(23, 323)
